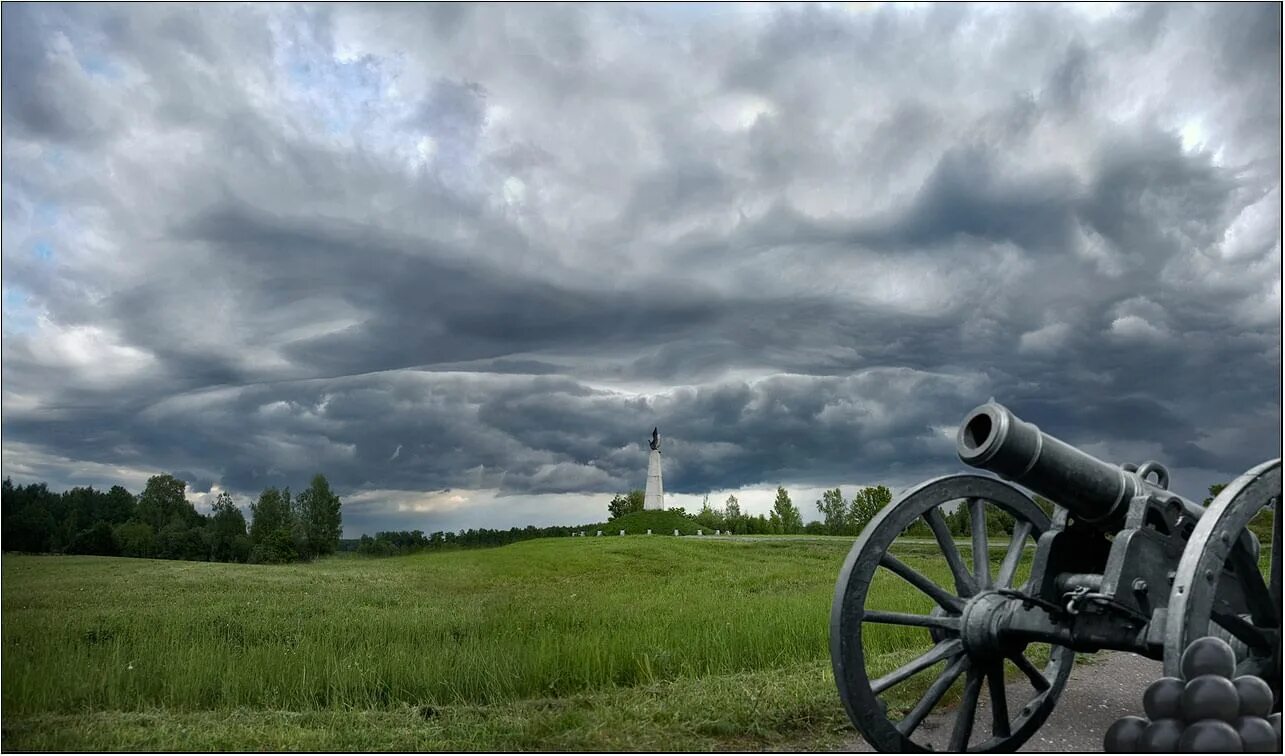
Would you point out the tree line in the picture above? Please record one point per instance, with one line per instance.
(395, 543)
(840, 516)
(161, 523)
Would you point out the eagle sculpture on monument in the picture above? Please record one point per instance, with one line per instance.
(655, 439)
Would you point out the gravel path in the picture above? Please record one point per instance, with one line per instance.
(1097, 694)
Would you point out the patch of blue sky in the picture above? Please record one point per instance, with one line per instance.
(356, 90)
(300, 75)
(47, 214)
(54, 156)
(43, 250)
(102, 67)
(341, 96)
(19, 314)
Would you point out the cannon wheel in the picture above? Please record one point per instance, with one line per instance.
(1214, 546)
(861, 695)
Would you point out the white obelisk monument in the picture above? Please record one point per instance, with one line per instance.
(655, 498)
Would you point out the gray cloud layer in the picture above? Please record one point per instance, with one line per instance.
(488, 247)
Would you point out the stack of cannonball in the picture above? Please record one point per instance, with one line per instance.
(1205, 712)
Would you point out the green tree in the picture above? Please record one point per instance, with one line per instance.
(710, 517)
(161, 500)
(1214, 490)
(791, 521)
(999, 522)
(28, 517)
(136, 539)
(865, 504)
(319, 514)
(834, 510)
(97, 539)
(960, 522)
(228, 539)
(119, 505)
(272, 528)
(630, 502)
(733, 507)
(78, 511)
(181, 540)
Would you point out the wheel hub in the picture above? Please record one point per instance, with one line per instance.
(979, 624)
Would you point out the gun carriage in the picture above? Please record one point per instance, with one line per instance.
(1122, 563)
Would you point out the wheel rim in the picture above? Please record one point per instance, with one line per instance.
(1195, 607)
(862, 696)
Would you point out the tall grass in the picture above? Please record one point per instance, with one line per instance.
(535, 620)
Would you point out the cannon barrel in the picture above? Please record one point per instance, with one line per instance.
(993, 438)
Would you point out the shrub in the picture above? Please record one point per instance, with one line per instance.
(136, 539)
(659, 522)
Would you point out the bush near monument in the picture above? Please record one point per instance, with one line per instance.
(660, 522)
(623, 504)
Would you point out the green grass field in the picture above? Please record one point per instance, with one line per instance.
(631, 643)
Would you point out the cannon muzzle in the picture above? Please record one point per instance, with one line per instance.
(993, 438)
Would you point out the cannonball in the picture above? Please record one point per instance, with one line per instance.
(1209, 736)
(1163, 699)
(1255, 696)
(1210, 697)
(1256, 735)
(1161, 736)
(1123, 735)
(1208, 656)
(1275, 721)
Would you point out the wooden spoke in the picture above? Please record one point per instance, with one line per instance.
(946, 542)
(944, 650)
(1000, 726)
(981, 548)
(1008, 568)
(932, 696)
(966, 714)
(913, 620)
(1257, 596)
(945, 600)
(1036, 677)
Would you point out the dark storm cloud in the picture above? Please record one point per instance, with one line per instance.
(421, 431)
(47, 92)
(434, 250)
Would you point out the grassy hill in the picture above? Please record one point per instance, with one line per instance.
(594, 643)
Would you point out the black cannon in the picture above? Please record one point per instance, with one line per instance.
(1121, 563)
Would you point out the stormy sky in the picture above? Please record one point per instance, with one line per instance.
(462, 259)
